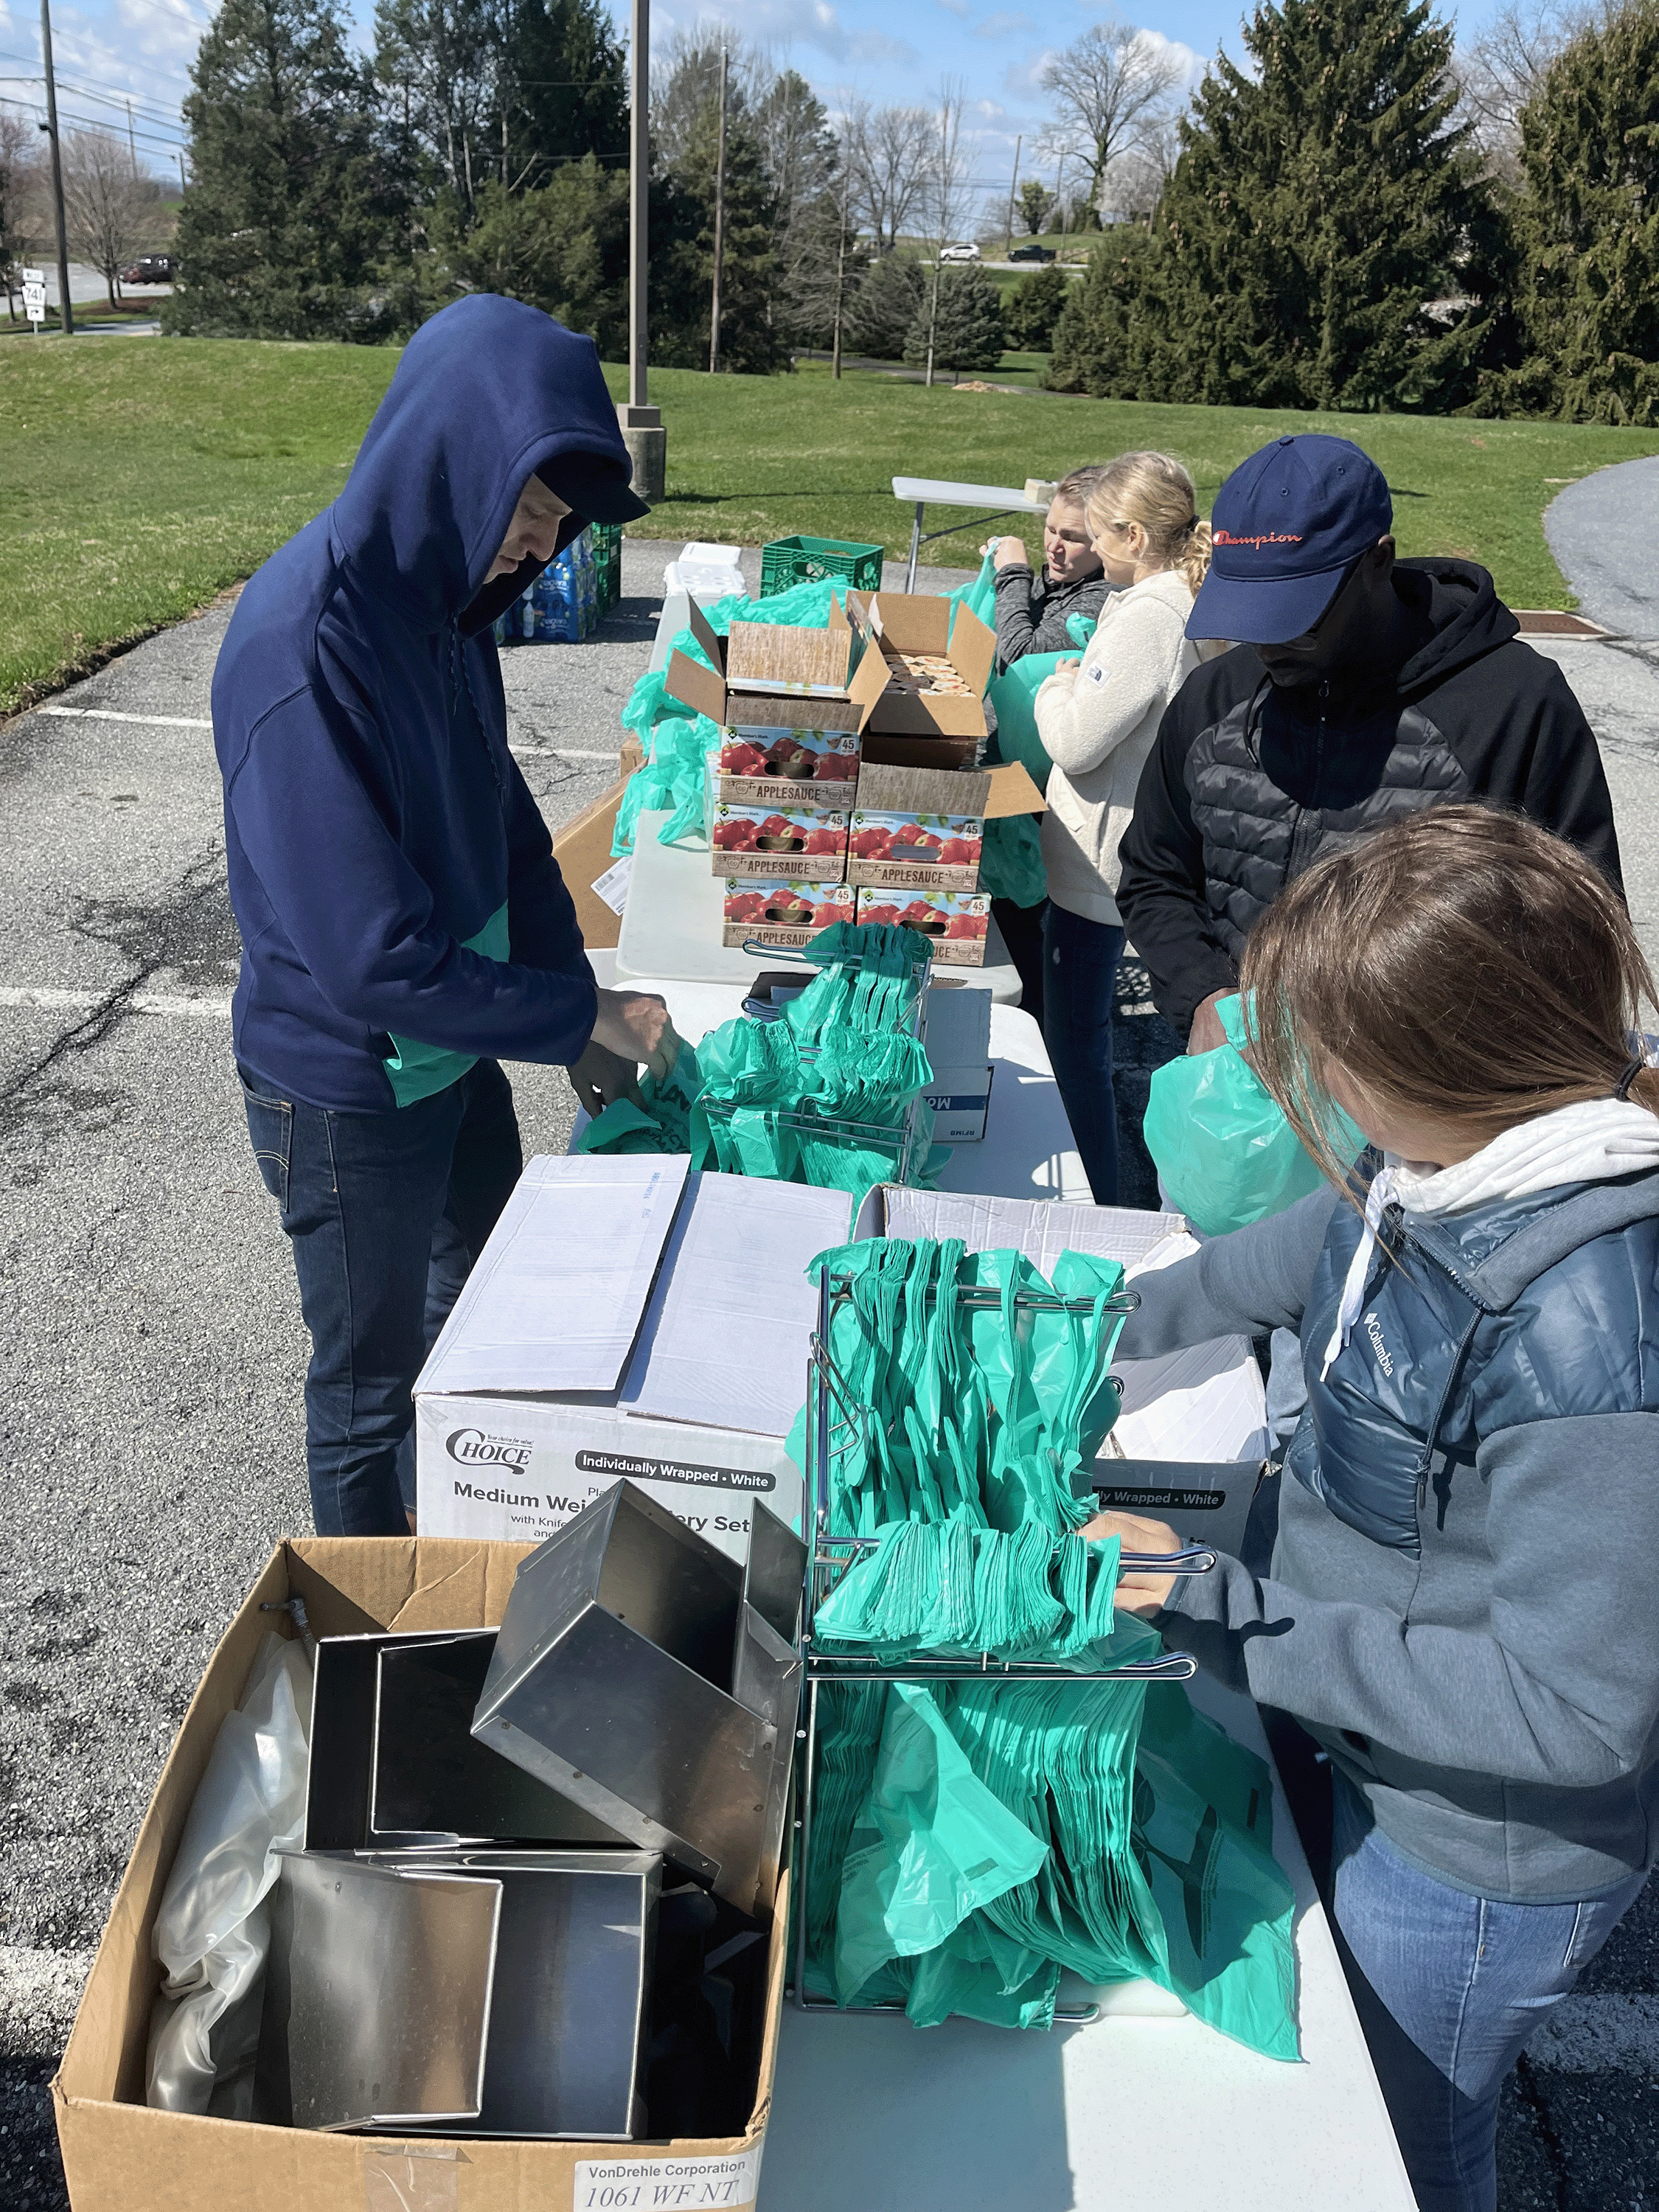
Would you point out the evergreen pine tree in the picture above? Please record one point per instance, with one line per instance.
(563, 88)
(563, 247)
(750, 343)
(879, 315)
(1034, 307)
(968, 330)
(1587, 230)
(297, 198)
(1314, 212)
(1091, 343)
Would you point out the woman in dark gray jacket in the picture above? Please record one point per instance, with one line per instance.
(1460, 1607)
(1035, 606)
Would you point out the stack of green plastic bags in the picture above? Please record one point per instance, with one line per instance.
(970, 1840)
(749, 1099)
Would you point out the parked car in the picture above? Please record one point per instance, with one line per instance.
(959, 252)
(1030, 251)
(149, 269)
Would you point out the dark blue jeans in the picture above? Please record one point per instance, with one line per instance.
(1449, 1988)
(1079, 987)
(385, 1213)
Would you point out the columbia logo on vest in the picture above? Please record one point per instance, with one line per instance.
(1384, 1356)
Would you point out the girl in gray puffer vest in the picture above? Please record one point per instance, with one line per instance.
(1460, 1606)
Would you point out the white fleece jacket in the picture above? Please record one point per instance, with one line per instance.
(1097, 723)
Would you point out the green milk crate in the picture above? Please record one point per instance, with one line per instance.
(788, 561)
(605, 537)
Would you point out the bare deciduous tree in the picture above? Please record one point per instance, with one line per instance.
(890, 152)
(949, 188)
(18, 139)
(111, 208)
(1499, 71)
(1110, 87)
(1136, 178)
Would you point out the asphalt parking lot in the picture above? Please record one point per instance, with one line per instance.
(150, 1419)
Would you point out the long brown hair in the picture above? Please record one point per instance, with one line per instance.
(1463, 964)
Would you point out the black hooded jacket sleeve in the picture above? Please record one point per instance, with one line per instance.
(1501, 719)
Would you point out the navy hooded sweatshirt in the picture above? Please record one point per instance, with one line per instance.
(401, 912)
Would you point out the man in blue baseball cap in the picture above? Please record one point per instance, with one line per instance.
(1360, 687)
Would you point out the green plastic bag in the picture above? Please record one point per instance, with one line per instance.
(1011, 865)
(678, 739)
(1226, 1152)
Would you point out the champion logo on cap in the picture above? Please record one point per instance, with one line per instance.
(1288, 525)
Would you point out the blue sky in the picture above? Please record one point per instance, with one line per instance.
(886, 50)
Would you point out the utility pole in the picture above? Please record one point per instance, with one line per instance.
(132, 142)
(66, 311)
(720, 228)
(183, 186)
(1013, 187)
(1059, 194)
(641, 425)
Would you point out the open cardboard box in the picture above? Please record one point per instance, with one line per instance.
(920, 621)
(582, 849)
(120, 2156)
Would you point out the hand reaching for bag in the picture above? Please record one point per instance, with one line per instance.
(633, 1027)
(1137, 1593)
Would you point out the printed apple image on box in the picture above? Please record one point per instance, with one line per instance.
(780, 842)
(781, 913)
(767, 764)
(916, 827)
(956, 923)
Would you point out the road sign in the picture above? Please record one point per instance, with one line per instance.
(34, 296)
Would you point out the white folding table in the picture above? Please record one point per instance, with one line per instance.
(672, 925)
(1027, 1152)
(923, 492)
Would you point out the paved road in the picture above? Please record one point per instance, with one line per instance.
(152, 1352)
(1604, 533)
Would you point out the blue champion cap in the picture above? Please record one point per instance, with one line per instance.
(1286, 526)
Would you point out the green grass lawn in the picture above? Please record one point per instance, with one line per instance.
(142, 476)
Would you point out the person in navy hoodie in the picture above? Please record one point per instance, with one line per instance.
(405, 926)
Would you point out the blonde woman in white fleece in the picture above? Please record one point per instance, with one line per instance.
(1097, 717)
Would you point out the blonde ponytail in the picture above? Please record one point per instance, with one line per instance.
(1154, 491)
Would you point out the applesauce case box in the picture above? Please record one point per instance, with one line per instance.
(780, 915)
(774, 763)
(778, 842)
(957, 922)
(924, 852)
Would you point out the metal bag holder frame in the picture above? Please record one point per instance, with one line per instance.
(834, 1415)
(905, 1138)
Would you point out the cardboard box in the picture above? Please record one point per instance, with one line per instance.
(917, 826)
(810, 756)
(762, 664)
(961, 1100)
(781, 913)
(582, 849)
(778, 842)
(958, 923)
(120, 2156)
(912, 622)
(626, 1317)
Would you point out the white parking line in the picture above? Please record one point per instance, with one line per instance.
(53, 998)
(187, 722)
(109, 715)
(1600, 2034)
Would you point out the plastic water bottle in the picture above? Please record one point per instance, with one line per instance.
(583, 561)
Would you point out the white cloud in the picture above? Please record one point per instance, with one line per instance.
(1004, 25)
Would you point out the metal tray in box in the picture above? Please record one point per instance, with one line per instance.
(633, 1676)
(482, 1993)
(394, 1766)
(569, 2009)
(377, 1995)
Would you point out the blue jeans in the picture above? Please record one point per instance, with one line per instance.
(385, 1213)
(1449, 1988)
(1079, 992)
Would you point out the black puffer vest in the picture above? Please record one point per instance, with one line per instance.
(1272, 788)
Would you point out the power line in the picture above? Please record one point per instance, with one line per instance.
(92, 123)
(147, 111)
(161, 113)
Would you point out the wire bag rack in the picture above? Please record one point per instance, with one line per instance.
(907, 1140)
(834, 1417)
